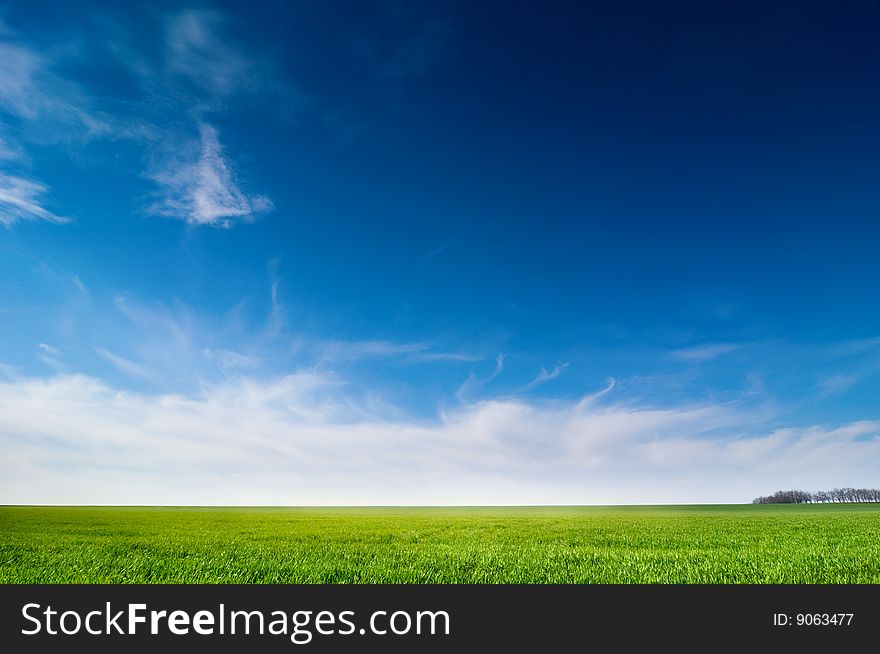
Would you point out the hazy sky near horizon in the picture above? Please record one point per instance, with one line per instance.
(437, 252)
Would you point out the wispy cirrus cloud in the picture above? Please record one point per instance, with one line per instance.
(49, 355)
(195, 50)
(474, 382)
(461, 357)
(126, 366)
(9, 152)
(544, 375)
(202, 187)
(356, 350)
(836, 384)
(183, 347)
(229, 360)
(198, 183)
(203, 190)
(50, 106)
(46, 109)
(335, 350)
(24, 199)
(707, 352)
(20, 93)
(593, 397)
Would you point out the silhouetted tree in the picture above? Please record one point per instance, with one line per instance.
(836, 495)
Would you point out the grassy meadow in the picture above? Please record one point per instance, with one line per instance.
(645, 544)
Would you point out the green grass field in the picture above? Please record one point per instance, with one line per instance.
(668, 544)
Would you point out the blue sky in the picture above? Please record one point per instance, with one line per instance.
(323, 253)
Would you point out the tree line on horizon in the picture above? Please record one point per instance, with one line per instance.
(837, 495)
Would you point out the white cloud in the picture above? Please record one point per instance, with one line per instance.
(298, 440)
(49, 108)
(355, 350)
(79, 285)
(22, 199)
(49, 355)
(196, 51)
(19, 92)
(229, 361)
(462, 357)
(126, 366)
(592, 397)
(700, 353)
(836, 384)
(33, 92)
(545, 376)
(8, 152)
(349, 351)
(204, 191)
(473, 382)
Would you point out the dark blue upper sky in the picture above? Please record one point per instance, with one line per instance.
(448, 203)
